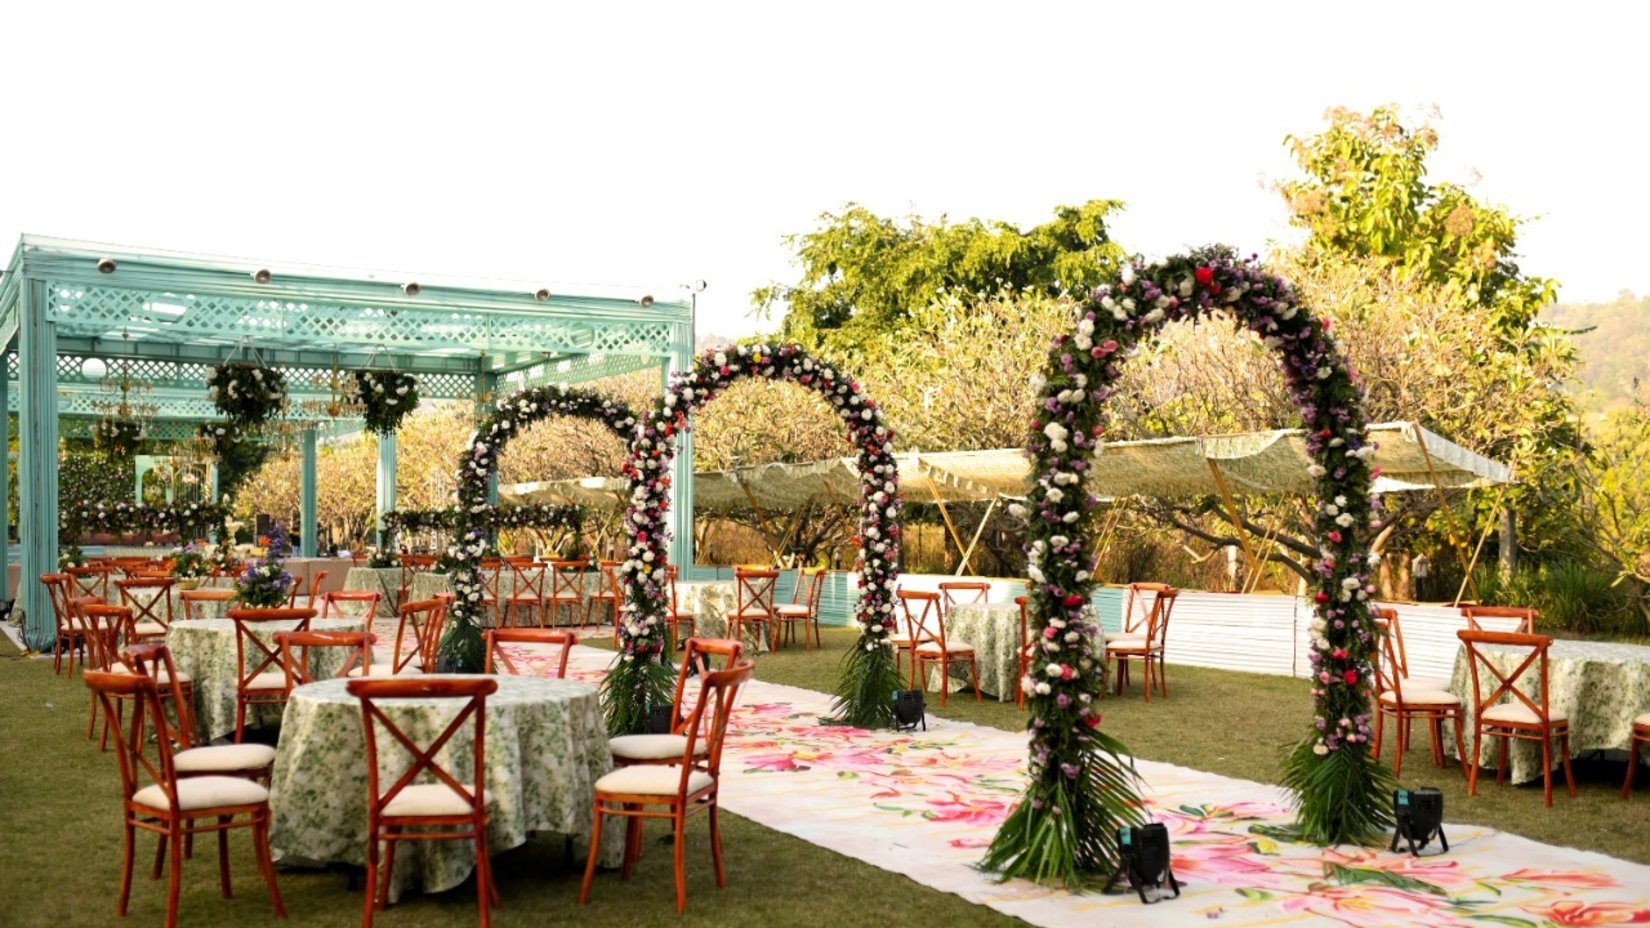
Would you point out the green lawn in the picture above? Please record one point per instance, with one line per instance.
(61, 847)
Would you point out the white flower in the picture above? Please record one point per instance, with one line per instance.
(1069, 518)
(1052, 670)
(1155, 316)
(1316, 470)
(1344, 520)
(1351, 583)
(1186, 285)
(1320, 749)
(1127, 276)
(1055, 496)
(1324, 372)
(1340, 500)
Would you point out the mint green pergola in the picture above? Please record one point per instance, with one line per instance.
(72, 312)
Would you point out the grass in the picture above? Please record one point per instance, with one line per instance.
(62, 835)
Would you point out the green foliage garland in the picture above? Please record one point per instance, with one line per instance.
(388, 397)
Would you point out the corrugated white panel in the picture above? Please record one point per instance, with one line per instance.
(1430, 644)
(1231, 631)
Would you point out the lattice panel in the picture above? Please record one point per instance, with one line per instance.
(304, 382)
(110, 312)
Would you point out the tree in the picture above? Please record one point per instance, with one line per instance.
(863, 275)
(1615, 502)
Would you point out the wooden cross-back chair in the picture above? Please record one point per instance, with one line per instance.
(192, 599)
(566, 580)
(424, 621)
(151, 603)
(105, 628)
(91, 580)
(332, 604)
(1525, 617)
(1637, 741)
(296, 656)
(455, 803)
(68, 636)
(690, 786)
(1403, 700)
(189, 758)
(1523, 717)
(411, 566)
(698, 659)
(753, 604)
(607, 596)
(497, 656)
(491, 573)
(931, 646)
(314, 590)
(964, 591)
(1388, 618)
(526, 593)
(1145, 640)
(157, 799)
(803, 609)
(678, 620)
(259, 677)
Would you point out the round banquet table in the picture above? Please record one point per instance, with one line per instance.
(382, 580)
(546, 747)
(205, 650)
(1599, 685)
(994, 631)
(711, 601)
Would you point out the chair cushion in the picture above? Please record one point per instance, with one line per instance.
(268, 680)
(793, 612)
(1421, 697)
(1643, 720)
(751, 612)
(653, 747)
(224, 757)
(1518, 713)
(205, 793)
(1127, 642)
(951, 647)
(148, 629)
(651, 780)
(1426, 683)
(383, 669)
(162, 678)
(428, 799)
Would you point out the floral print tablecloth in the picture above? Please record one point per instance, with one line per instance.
(1599, 685)
(711, 601)
(383, 580)
(205, 650)
(994, 631)
(546, 747)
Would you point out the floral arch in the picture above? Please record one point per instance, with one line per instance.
(1083, 787)
(462, 646)
(642, 677)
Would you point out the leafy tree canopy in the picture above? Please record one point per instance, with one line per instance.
(864, 275)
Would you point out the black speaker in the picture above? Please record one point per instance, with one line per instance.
(1144, 853)
(909, 710)
(1419, 814)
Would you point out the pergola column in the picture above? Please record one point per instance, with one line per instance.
(386, 481)
(37, 460)
(681, 466)
(6, 592)
(307, 528)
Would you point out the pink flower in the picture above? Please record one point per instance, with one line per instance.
(970, 811)
(1575, 879)
(1576, 912)
(1372, 906)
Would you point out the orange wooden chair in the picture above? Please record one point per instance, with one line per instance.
(448, 809)
(296, 648)
(189, 758)
(259, 679)
(490, 572)
(1028, 653)
(1387, 617)
(332, 604)
(1640, 739)
(68, 636)
(156, 799)
(566, 580)
(151, 603)
(494, 637)
(91, 580)
(683, 789)
(107, 630)
(1395, 696)
(905, 640)
(417, 638)
(927, 624)
(411, 566)
(606, 597)
(314, 591)
(1146, 639)
(803, 609)
(192, 600)
(1523, 717)
(679, 619)
(753, 604)
(1525, 617)
(526, 593)
(965, 591)
(668, 748)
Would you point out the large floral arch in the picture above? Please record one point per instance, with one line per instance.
(1082, 785)
(641, 677)
(462, 645)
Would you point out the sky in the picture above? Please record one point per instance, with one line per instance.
(647, 146)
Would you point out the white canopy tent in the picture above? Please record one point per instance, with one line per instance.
(1410, 458)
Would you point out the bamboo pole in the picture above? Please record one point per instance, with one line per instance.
(1237, 521)
(978, 531)
(946, 515)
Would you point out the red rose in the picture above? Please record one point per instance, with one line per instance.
(1205, 275)
(1073, 601)
(1351, 677)
(1338, 654)
(1322, 597)
(1092, 721)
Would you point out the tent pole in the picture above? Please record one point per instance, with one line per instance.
(1449, 514)
(1482, 537)
(978, 531)
(946, 515)
(1114, 517)
(761, 519)
(1231, 510)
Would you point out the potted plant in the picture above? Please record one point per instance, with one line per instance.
(189, 567)
(71, 557)
(264, 582)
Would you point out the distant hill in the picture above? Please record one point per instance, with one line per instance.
(1615, 353)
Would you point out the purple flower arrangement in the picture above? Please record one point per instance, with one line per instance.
(263, 583)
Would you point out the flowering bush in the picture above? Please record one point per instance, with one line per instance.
(263, 582)
(1082, 787)
(117, 439)
(388, 397)
(190, 564)
(72, 556)
(190, 520)
(249, 394)
(869, 674)
(461, 646)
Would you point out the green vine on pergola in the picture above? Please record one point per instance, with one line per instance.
(1082, 783)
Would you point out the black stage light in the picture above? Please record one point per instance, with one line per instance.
(1419, 814)
(1145, 860)
(909, 711)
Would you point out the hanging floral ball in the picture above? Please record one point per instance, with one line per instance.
(248, 394)
(387, 398)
